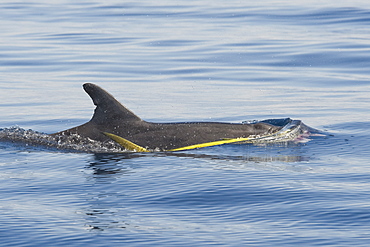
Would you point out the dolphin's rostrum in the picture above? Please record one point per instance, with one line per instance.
(113, 121)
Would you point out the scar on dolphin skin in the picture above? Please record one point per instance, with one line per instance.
(113, 121)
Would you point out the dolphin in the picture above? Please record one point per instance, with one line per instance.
(113, 121)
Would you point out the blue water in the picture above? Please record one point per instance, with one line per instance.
(188, 61)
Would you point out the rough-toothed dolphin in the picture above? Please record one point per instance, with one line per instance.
(113, 121)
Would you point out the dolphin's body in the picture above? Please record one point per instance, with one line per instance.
(111, 120)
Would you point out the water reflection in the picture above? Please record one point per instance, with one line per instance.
(104, 165)
(105, 204)
(115, 179)
(287, 152)
(102, 219)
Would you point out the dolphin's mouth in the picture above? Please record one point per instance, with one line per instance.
(292, 130)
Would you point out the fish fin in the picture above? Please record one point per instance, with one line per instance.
(107, 107)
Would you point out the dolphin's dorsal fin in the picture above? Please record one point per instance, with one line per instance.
(107, 107)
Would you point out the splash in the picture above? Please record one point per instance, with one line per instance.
(74, 142)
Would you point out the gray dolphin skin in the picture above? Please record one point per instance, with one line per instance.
(112, 119)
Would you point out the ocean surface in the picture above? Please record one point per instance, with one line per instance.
(169, 61)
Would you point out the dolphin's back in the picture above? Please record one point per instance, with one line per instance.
(111, 117)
